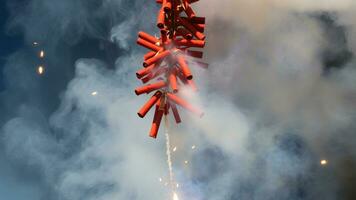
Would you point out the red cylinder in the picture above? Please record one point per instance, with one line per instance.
(148, 37)
(195, 54)
(173, 82)
(156, 122)
(175, 113)
(145, 108)
(164, 36)
(143, 72)
(160, 19)
(156, 58)
(153, 75)
(195, 20)
(191, 28)
(184, 67)
(184, 104)
(148, 45)
(150, 87)
(149, 55)
(190, 43)
(167, 6)
(188, 10)
(200, 27)
(185, 33)
(166, 109)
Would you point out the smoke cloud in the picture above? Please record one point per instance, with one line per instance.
(276, 103)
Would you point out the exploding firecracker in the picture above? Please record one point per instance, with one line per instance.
(166, 66)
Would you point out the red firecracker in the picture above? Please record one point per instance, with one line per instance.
(166, 65)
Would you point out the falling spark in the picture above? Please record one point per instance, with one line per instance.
(168, 152)
(42, 54)
(35, 43)
(40, 70)
(177, 185)
(186, 162)
(174, 149)
(94, 93)
(175, 196)
(193, 147)
(160, 179)
(323, 162)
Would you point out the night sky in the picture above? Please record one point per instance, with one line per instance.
(9, 41)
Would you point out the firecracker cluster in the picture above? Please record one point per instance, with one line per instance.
(166, 66)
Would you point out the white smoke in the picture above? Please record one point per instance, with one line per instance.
(265, 83)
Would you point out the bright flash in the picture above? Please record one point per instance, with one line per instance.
(174, 149)
(323, 162)
(40, 70)
(42, 54)
(186, 162)
(175, 196)
(94, 93)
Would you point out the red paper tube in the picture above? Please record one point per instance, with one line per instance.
(166, 108)
(159, 1)
(151, 75)
(188, 9)
(190, 43)
(195, 20)
(173, 82)
(156, 58)
(184, 104)
(182, 78)
(149, 55)
(191, 28)
(184, 67)
(143, 72)
(167, 6)
(175, 113)
(164, 36)
(156, 122)
(190, 83)
(160, 19)
(185, 33)
(144, 110)
(195, 54)
(148, 45)
(148, 37)
(150, 87)
(200, 27)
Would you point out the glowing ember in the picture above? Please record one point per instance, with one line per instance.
(175, 196)
(323, 162)
(40, 70)
(42, 54)
(94, 93)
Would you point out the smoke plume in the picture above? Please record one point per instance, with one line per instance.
(279, 97)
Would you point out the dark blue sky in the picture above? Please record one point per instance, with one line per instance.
(9, 41)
